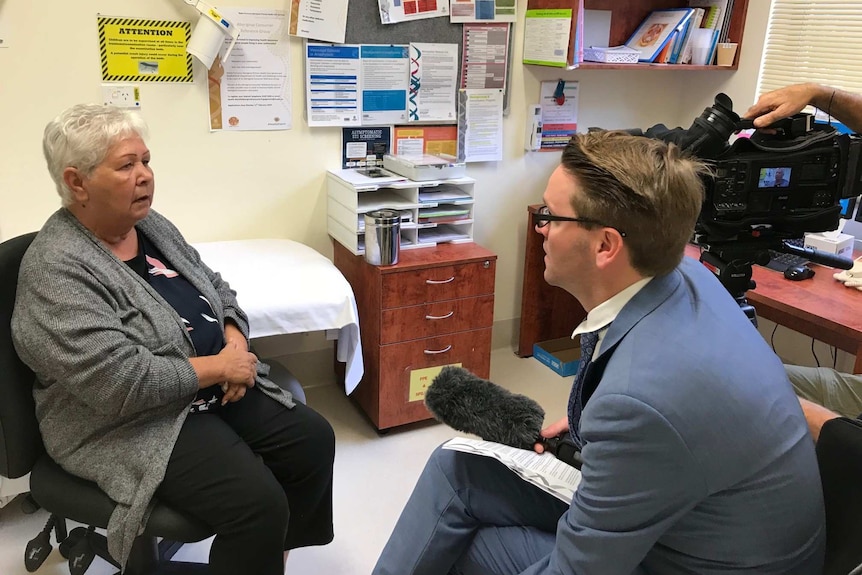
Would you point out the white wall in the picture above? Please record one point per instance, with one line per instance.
(271, 184)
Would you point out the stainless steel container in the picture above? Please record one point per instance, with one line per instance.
(382, 237)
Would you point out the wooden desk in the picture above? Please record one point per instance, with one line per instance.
(546, 312)
(819, 307)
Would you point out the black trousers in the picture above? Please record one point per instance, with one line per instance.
(260, 475)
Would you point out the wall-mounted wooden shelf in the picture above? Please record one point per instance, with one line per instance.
(648, 66)
(627, 16)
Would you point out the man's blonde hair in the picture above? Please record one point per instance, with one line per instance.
(650, 190)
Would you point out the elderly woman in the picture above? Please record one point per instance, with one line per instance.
(145, 382)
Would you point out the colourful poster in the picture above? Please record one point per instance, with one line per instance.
(432, 140)
(559, 102)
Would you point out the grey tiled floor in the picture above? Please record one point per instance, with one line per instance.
(374, 475)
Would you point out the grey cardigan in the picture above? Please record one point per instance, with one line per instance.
(114, 382)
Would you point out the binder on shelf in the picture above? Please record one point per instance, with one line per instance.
(575, 42)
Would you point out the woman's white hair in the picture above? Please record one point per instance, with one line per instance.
(81, 136)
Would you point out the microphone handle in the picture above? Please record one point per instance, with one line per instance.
(818, 256)
(563, 449)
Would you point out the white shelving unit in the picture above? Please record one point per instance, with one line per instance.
(433, 212)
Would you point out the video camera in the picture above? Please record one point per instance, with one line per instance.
(764, 189)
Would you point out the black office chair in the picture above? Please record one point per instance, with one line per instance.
(66, 496)
(839, 456)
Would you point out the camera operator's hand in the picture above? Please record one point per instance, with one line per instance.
(782, 103)
(846, 107)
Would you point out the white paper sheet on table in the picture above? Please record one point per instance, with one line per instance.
(287, 287)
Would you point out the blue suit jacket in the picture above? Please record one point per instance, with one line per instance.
(697, 455)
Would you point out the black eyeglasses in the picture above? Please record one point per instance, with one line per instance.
(544, 216)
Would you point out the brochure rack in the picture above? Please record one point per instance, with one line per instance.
(433, 212)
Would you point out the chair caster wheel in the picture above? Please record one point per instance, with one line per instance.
(29, 505)
(76, 535)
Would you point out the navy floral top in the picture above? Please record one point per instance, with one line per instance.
(193, 308)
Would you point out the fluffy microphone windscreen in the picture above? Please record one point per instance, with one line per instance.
(474, 405)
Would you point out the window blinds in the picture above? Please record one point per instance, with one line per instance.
(813, 41)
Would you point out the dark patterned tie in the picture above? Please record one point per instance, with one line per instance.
(588, 346)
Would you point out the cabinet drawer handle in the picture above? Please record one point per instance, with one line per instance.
(444, 350)
(450, 314)
(440, 281)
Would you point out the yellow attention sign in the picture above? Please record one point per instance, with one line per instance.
(420, 379)
(135, 50)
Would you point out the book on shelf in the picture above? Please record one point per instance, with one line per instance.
(725, 27)
(576, 54)
(694, 23)
(670, 53)
(664, 54)
(656, 32)
(717, 15)
(672, 49)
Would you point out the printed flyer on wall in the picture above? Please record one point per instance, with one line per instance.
(141, 50)
(324, 20)
(485, 57)
(332, 84)
(251, 90)
(425, 140)
(433, 82)
(383, 84)
(480, 125)
(559, 102)
(366, 146)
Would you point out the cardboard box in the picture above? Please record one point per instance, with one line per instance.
(562, 355)
(831, 242)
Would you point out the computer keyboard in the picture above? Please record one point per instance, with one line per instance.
(780, 261)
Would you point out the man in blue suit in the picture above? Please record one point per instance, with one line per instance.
(696, 454)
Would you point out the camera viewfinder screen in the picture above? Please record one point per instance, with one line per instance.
(774, 178)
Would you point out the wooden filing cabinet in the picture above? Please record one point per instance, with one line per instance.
(434, 307)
